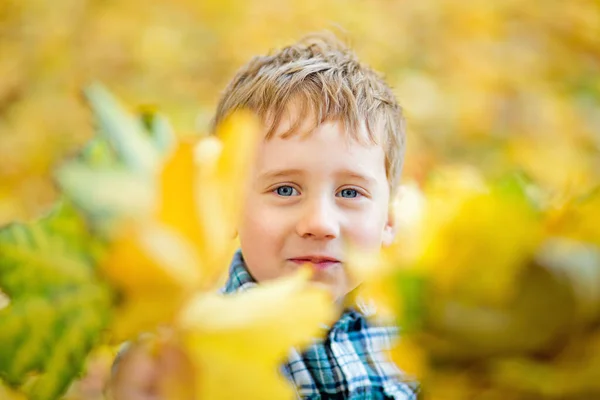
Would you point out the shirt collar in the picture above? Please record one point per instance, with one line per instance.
(239, 279)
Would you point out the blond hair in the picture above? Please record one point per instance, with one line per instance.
(328, 82)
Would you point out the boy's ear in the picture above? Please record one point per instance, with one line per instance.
(391, 226)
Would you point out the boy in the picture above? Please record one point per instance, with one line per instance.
(325, 175)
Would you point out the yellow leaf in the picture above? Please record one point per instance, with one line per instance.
(188, 241)
(578, 219)
(572, 374)
(372, 272)
(450, 385)
(8, 394)
(245, 337)
(475, 241)
(156, 269)
(574, 172)
(177, 198)
(220, 186)
(410, 358)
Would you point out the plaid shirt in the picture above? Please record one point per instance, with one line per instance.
(348, 364)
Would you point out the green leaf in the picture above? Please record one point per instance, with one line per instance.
(159, 129)
(411, 288)
(115, 175)
(99, 153)
(106, 194)
(58, 306)
(124, 132)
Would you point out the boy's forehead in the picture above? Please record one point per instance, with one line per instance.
(326, 149)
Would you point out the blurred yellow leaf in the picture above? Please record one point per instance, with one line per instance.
(219, 188)
(246, 336)
(159, 261)
(572, 374)
(576, 172)
(462, 226)
(411, 358)
(578, 219)
(8, 394)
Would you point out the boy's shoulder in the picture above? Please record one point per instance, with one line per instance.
(351, 363)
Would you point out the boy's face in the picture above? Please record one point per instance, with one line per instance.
(309, 197)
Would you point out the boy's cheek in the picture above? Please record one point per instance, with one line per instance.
(367, 233)
(260, 226)
(261, 239)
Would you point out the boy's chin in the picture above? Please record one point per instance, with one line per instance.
(337, 286)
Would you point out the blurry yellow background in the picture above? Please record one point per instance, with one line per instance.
(469, 75)
(489, 83)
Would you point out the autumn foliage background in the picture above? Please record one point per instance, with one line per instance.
(469, 74)
(490, 84)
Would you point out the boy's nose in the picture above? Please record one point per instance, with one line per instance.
(318, 221)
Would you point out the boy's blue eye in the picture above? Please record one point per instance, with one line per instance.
(286, 191)
(348, 193)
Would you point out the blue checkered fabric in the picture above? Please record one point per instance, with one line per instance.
(350, 363)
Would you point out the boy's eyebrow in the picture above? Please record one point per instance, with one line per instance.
(279, 173)
(347, 173)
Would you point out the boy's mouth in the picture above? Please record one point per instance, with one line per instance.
(316, 262)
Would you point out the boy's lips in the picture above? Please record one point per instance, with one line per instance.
(317, 262)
